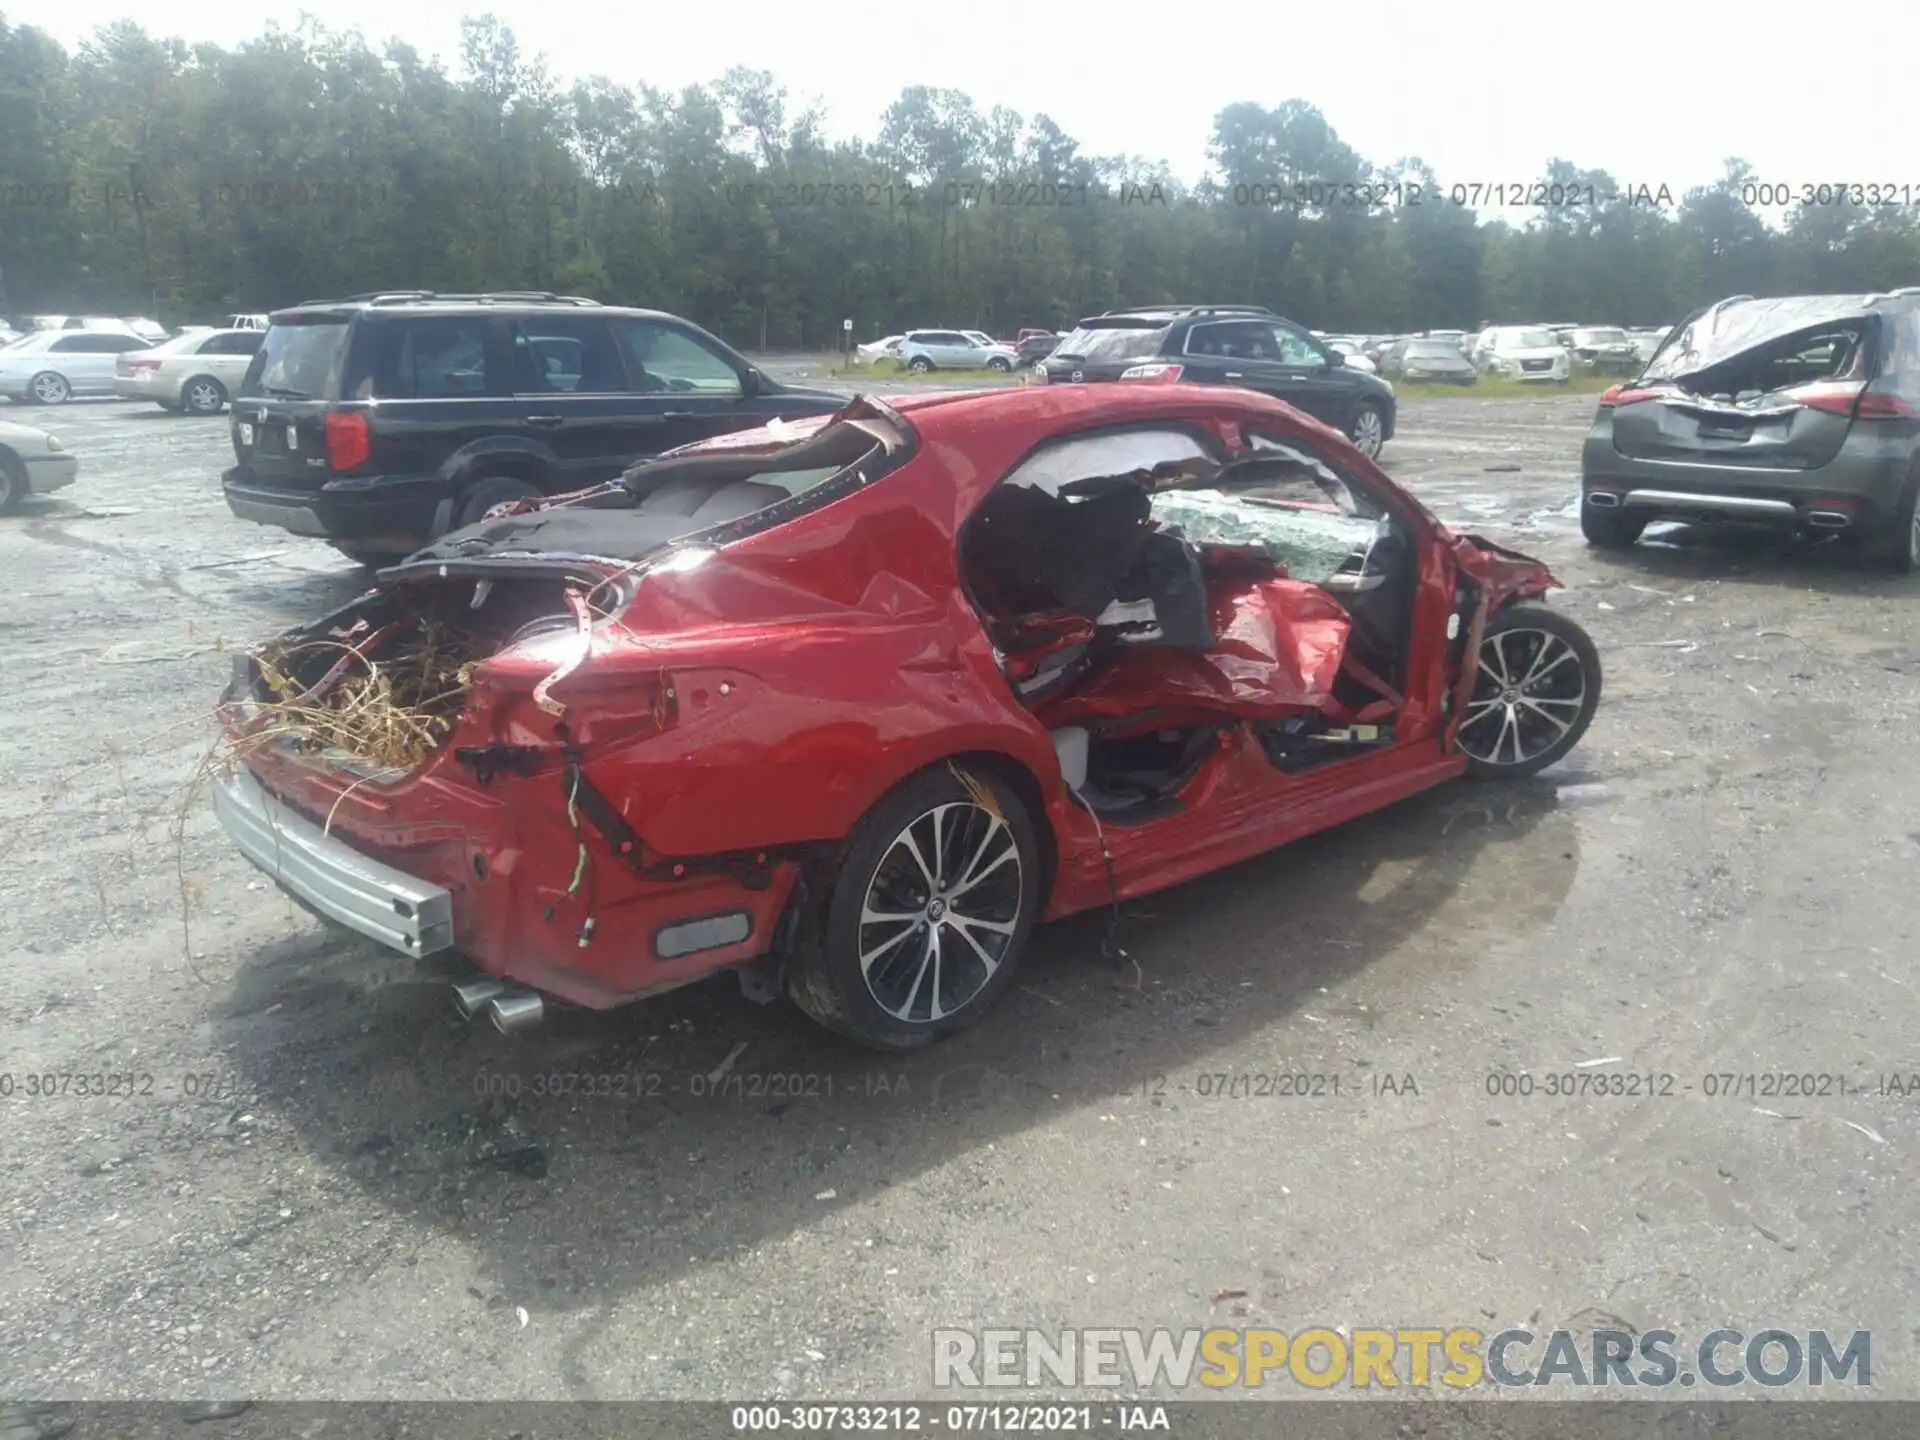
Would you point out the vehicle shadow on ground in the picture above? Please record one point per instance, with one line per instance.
(1754, 557)
(699, 1125)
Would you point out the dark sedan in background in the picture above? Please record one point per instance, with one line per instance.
(1427, 362)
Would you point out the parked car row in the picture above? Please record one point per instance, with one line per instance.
(1494, 350)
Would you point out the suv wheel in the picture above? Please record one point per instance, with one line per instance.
(1900, 551)
(919, 365)
(487, 492)
(1613, 529)
(999, 364)
(1369, 430)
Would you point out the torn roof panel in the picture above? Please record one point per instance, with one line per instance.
(1734, 326)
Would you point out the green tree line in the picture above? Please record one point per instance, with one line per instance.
(141, 175)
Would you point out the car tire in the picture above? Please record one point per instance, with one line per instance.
(487, 492)
(1368, 430)
(1900, 550)
(1000, 366)
(973, 824)
(1613, 529)
(203, 395)
(919, 365)
(49, 388)
(13, 482)
(1536, 686)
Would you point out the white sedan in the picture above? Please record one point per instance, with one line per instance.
(874, 351)
(195, 372)
(32, 462)
(49, 367)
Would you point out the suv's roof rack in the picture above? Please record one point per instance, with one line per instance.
(491, 297)
(1193, 310)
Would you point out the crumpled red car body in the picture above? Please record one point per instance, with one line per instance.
(740, 716)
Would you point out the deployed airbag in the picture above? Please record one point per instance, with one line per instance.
(1277, 652)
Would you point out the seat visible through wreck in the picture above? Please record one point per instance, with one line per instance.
(1146, 595)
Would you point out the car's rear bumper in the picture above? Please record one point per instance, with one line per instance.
(431, 863)
(46, 473)
(146, 387)
(392, 513)
(1866, 484)
(378, 901)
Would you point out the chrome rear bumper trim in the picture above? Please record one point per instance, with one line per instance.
(1719, 504)
(376, 900)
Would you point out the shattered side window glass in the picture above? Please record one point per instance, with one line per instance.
(1292, 505)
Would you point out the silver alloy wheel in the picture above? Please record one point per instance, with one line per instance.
(941, 911)
(1368, 432)
(203, 397)
(1529, 692)
(50, 389)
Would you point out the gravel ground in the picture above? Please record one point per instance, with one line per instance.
(314, 1195)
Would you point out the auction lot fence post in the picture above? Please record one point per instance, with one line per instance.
(1185, 1420)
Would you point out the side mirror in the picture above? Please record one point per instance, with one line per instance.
(752, 383)
(1336, 358)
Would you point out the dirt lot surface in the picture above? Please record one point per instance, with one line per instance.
(326, 1185)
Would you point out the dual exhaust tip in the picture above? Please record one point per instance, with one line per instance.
(510, 1010)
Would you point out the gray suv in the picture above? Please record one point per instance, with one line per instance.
(1800, 413)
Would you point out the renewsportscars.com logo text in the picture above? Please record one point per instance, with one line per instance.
(1321, 1358)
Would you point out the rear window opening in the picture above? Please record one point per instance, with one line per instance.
(719, 496)
(298, 360)
(1829, 354)
(1105, 344)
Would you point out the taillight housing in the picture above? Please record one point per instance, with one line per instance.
(1626, 395)
(1158, 373)
(349, 440)
(1853, 399)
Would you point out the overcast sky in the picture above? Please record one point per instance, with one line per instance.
(1657, 95)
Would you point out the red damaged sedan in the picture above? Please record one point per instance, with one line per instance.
(851, 704)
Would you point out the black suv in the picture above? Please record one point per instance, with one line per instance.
(381, 422)
(1241, 345)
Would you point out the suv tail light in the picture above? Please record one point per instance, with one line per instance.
(1163, 374)
(1626, 395)
(349, 441)
(1853, 399)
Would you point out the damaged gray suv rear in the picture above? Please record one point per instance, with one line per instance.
(1799, 414)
